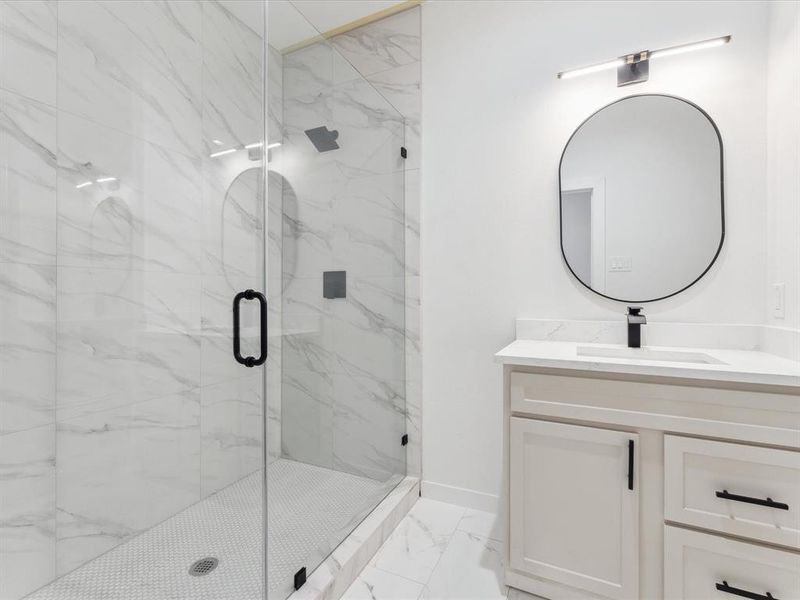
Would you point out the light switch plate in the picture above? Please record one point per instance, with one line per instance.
(779, 300)
(620, 264)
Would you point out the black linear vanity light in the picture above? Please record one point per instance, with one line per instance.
(635, 68)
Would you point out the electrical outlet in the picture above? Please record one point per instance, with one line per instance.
(779, 300)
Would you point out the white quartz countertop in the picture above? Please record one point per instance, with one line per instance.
(736, 366)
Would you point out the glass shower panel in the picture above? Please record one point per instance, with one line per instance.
(132, 213)
(336, 278)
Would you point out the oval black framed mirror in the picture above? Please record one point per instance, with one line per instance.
(641, 195)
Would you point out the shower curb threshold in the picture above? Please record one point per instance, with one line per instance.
(331, 579)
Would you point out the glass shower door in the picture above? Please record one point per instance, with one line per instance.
(336, 273)
(132, 214)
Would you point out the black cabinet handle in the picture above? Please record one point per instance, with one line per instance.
(250, 361)
(630, 464)
(728, 589)
(768, 502)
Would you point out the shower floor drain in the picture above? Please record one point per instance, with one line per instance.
(204, 566)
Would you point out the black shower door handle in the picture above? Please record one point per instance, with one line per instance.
(250, 361)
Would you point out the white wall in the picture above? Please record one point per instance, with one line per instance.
(496, 119)
(783, 158)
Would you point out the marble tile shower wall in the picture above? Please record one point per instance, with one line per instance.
(351, 367)
(119, 402)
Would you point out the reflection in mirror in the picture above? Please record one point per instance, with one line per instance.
(642, 198)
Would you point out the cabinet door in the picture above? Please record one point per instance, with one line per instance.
(575, 506)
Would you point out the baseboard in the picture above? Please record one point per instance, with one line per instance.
(460, 496)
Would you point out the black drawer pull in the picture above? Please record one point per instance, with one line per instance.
(768, 502)
(724, 587)
(250, 361)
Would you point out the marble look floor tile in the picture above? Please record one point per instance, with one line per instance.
(374, 584)
(28, 180)
(147, 216)
(27, 510)
(384, 44)
(27, 346)
(416, 546)
(124, 470)
(28, 38)
(137, 69)
(482, 524)
(471, 567)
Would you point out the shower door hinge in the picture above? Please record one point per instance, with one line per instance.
(403, 152)
(404, 440)
(299, 578)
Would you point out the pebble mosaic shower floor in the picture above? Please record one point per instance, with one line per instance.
(308, 508)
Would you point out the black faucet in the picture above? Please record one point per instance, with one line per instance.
(635, 321)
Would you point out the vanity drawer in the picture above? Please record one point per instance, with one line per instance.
(736, 489)
(701, 566)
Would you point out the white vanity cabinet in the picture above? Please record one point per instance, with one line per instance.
(574, 506)
(637, 487)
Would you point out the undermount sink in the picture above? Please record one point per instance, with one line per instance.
(649, 354)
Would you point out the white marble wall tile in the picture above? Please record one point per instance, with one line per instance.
(122, 471)
(368, 424)
(135, 66)
(369, 226)
(413, 361)
(28, 38)
(125, 337)
(307, 417)
(275, 93)
(27, 346)
(28, 180)
(370, 130)
(147, 218)
(233, 80)
(233, 216)
(412, 215)
(368, 329)
(315, 68)
(307, 248)
(27, 511)
(401, 87)
(382, 45)
(231, 430)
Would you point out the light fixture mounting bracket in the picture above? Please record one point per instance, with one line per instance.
(635, 69)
